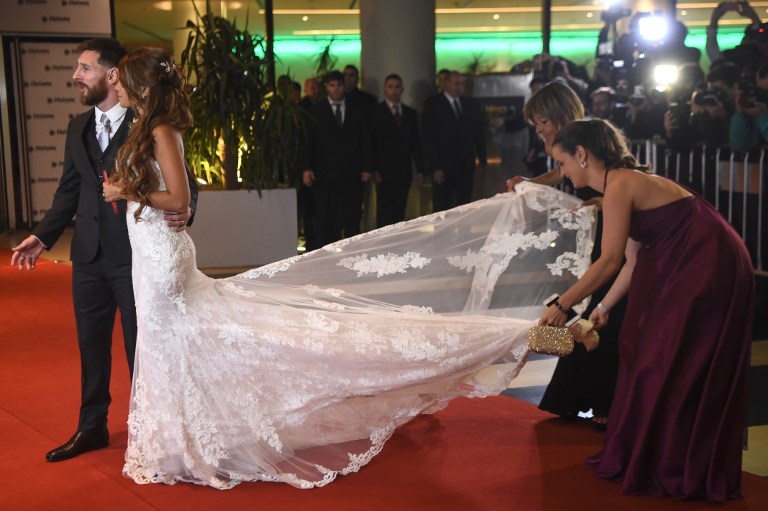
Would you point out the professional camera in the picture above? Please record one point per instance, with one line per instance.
(681, 113)
(751, 94)
(613, 14)
(642, 96)
(681, 110)
(710, 97)
(604, 62)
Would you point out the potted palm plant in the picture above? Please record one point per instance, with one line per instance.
(245, 137)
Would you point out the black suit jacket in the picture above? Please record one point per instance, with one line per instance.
(395, 146)
(79, 195)
(332, 152)
(452, 144)
(361, 98)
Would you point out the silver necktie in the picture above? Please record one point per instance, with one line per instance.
(106, 130)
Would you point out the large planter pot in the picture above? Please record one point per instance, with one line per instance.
(237, 228)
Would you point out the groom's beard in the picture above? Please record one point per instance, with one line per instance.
(92, 96)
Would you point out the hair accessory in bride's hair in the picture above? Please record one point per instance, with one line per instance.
(167, 66)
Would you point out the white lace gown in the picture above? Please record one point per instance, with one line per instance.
(299, 371)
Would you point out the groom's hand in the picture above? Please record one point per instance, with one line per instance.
(26, 253)
(177, 220)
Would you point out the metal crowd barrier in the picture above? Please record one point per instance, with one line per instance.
(734, 182)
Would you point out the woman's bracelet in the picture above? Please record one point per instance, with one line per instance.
(603, 308)
(561, 308)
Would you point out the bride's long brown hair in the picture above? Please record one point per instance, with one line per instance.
(602, 139)
(155, 88)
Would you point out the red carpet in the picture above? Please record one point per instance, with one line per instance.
(487, 454)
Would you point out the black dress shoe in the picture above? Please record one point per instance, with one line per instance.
(81, 441)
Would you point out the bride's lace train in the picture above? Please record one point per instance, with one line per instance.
(301, 370)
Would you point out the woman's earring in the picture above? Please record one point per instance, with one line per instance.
(583, 164)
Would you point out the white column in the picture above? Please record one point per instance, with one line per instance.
(398, 36)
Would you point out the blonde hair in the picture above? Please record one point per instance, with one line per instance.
(557, 102)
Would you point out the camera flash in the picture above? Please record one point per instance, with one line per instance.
(652, 28)
(664, 75)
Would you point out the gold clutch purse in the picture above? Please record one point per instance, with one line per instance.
(551, 340)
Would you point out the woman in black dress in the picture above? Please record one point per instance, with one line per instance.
(584, 380)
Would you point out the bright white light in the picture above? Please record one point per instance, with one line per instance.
(496, 16)
(611, 3)
(664, 75)
(653, 28)
(683, 13)
(304, 18)
(589, 15)
(202, 181)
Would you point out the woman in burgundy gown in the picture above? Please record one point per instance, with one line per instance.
(675, 424)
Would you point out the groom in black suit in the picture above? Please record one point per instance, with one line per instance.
(100, 251)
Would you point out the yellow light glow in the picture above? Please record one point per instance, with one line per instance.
(489, 10)
(664, 75)
(589, 15)
(163, 6)
(336, 31)
(304, 18)
(452, 30)
(295, 12)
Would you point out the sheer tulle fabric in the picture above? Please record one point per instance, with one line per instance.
(301, 370)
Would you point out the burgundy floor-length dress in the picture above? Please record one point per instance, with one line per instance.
(675, 426)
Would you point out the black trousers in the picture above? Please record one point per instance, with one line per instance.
(392, 197)
(99, 288)
(455, 190)
(338, 206)
(306, 213)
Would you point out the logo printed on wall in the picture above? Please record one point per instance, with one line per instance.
(50, 102)
(57, 17)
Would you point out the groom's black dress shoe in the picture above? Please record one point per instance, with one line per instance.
(81, 441)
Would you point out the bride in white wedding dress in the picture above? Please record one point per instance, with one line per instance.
(299, 371)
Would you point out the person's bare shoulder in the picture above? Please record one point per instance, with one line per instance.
(166, 134)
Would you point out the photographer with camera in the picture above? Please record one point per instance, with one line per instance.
(754, 46)
(749, 125)
(677, 130)
(604, 106)
(646, 106)
(711, 109)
